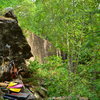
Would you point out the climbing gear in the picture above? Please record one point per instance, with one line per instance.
(9, 98)
(15, 90)
(3, 84)
(17, 96)
(12, 84)
(15, 87)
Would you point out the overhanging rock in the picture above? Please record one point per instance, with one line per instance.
(13, 44)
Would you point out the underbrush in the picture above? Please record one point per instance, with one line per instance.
(59, 82)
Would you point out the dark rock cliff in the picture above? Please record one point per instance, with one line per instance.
(13, 45)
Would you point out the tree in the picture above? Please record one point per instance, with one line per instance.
(66, 24)
(74, 27)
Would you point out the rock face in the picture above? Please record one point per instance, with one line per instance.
(40, 48)
(13, 44)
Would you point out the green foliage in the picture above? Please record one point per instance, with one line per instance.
(59, 82)
(74, 27)
(54, 75)
(10, 3)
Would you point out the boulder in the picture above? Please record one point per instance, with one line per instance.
(40, 48)
(13, 44)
